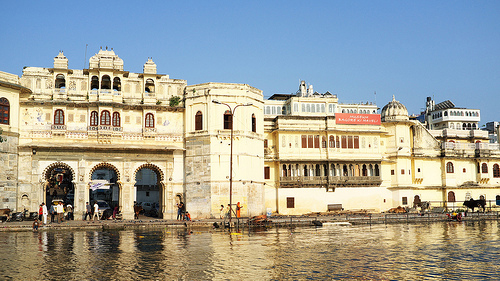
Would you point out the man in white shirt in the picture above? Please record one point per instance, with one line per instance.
(44, 213)
(96, 211)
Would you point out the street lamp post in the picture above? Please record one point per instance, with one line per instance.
(231, 112)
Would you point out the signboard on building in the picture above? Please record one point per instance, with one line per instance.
(357, 119)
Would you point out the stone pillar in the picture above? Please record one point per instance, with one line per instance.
(81, 196)
(127, 198)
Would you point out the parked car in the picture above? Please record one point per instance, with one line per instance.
(147, 206)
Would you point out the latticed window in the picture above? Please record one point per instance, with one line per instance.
(59, 117)
(94, 118)
(356, 142)
(105, 118)
(4, 111)
(116, 119)
(198, 121)
(332, 141)
(149, 121)
(449, 167)
(496, 171)
(484, 168)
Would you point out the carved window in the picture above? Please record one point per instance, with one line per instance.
(304, 141)
(117, 84)
(94, 118)
(106, 82)
(451, 196)
(116, 119)
(350, 142)
(484, 168)
(105, 118)
(449, 168)
(332, 142)
(496, 171)
(4, 111)
(149, 121)
(59, 117)
(356, 142)
(60, 82)
(94, 83)
(150, 86)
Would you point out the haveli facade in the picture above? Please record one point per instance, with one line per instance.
(291, 154)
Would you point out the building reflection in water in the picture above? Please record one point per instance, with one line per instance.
(402, 252)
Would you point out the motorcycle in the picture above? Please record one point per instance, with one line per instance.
(25, 215)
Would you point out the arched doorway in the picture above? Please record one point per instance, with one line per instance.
(105, 188)
(149, 190)
(59, 185)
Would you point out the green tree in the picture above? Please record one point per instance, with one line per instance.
(174, 101)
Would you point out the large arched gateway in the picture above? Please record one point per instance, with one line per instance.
(150, 189)
(59, 184)
(105, 185)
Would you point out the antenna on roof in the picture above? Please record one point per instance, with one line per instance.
(85, 60)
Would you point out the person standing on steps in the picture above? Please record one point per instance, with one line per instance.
(88, 211)
(44, 213)
(96, 211)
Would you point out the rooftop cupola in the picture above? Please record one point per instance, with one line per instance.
(394, 111)
(61, 61)
(149, 67)
(106, 59)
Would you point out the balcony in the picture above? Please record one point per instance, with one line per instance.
(458, 149)
(58, 130)
(149, 132)
(330, 182)
(487, 149)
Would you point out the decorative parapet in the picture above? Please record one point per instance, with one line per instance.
(331, 181)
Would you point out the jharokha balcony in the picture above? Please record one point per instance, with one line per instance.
(329, 182)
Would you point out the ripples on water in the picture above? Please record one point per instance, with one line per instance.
(435, 251)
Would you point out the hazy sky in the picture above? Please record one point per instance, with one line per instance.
(410, 49)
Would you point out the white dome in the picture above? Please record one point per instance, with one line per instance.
(394, 111)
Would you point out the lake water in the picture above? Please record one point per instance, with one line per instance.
(433, 251)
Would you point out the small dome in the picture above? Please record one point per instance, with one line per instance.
(394, 111)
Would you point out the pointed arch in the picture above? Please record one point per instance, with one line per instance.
(105, 165)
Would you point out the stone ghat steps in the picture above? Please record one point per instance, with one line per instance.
(275, 221)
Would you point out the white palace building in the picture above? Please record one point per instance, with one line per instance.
(104, 133)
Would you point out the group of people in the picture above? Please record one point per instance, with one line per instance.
(56, 212)
(182, 214)
(225, 212)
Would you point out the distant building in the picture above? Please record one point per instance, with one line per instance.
(493, 129)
